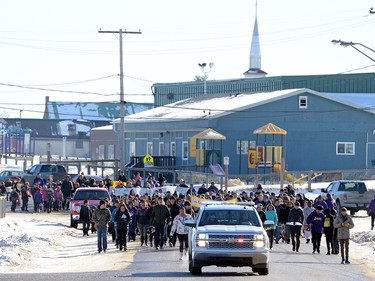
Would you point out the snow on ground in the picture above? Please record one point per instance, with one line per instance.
(35, 243)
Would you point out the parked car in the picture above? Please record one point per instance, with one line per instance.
(10, 174)
(353, 195)
(58, 172)
(88, 177)
(228, 235)
(92, 194)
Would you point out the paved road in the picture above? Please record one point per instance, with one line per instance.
(164, 265)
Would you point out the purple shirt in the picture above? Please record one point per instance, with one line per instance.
(317, 221)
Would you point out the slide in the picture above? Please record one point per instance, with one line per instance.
(287, 176)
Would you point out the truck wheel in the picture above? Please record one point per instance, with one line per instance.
(262, 271)
(352, 212)
(196, 270)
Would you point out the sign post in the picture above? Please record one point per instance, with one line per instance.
(226, 164)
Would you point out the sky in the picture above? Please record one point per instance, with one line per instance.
(53, 47)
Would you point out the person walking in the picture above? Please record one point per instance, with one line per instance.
(85, 217)
(307, 210)
(371, 212)
(182, 231)
(328, 231)
(295, 221)
(344, 223)
(66, 187)
(316, 222)
(25, 195)
(142, 222)
(102, 217)
(272, 216)
(159, 217)
(122, 219)
(13, 197)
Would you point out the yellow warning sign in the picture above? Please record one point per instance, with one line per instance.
(148, 161)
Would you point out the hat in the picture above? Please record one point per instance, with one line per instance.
(344, 209)
(116, 201)
(101, 202)
(259, 206)
(320, 207)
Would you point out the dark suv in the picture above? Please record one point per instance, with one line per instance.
(58, 172)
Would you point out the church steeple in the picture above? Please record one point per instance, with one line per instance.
(255, 57)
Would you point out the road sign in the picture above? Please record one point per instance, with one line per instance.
(148, 161)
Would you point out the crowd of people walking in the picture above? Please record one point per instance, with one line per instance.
(159, 219)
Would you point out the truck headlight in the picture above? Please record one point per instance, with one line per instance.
(201, 240)
(259, 244)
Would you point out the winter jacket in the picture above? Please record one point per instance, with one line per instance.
(13, 196)
(160, 215)
(316, 221)
(38, 197)
(272, 216)
(179, 226)
(330, 203)
(122, 219)
(85, 213)
(141, 216)
(284, 214)
(371, 207)
(59, 197)
(174, 210)
(328, 223)
(323, 203)
(343, 230)
(296, 215)
(306, 212)
(101, 217)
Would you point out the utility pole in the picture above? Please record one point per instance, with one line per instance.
(121, 149)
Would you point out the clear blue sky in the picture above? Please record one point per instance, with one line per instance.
(55, 44)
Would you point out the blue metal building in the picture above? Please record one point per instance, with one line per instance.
(325, 131)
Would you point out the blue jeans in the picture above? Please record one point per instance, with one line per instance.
(159, 235)
(102, 233)
(86, 227)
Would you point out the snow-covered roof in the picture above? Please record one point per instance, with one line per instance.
(214, 106)
(363, 101)
(209, 106)
(103, 128)
(91, 110)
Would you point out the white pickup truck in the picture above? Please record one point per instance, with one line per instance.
(228, 235)
(353, 195)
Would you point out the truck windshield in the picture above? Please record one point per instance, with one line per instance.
(229, 217)
(91, 195)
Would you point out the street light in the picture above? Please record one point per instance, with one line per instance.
(352, 44)
(205, 76)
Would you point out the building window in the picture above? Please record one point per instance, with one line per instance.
(101, 152)
(79, 144)
(302, 102)
(149, 148)
(185, 150)
(111, 152)
(161, 148)
(132, 148)
(173, 149)
(345, 148)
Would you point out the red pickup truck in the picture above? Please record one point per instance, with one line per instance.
(91, 194)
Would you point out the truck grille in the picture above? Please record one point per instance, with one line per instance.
(217, 241)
